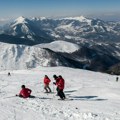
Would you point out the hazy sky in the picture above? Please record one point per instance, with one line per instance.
(105, 9)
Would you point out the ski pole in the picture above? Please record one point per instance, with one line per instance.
(10, 97)
(53, 88)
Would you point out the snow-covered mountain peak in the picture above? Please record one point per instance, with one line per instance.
(25, 57)
(80, 19)
(20, 25)
(20, 20)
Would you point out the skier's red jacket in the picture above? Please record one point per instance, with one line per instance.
(57, 81)
(25, 92)
(47, 81)
(61, 83)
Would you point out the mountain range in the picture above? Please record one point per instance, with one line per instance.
(72, 41)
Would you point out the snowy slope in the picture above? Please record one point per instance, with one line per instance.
(95, 96)
(26, 57)
(61, 46)
(20, 56)
(61, 54)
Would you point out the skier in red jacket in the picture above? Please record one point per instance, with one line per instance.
(25, 92)
(46, 84)
(60, 86)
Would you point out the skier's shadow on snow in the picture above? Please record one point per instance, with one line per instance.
(44, 98)
(70, 91)
(39, 97)
(87, 98)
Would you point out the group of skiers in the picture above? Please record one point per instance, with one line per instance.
(59, 82)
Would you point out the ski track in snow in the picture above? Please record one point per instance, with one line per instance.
(90, 96)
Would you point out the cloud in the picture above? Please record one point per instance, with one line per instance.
(4, 21)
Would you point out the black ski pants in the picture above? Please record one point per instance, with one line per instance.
(61, 94)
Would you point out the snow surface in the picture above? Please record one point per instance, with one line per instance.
(23, 57)
(61, 46)
(95, 96)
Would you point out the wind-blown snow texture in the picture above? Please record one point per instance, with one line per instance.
(15, 56)
(26, 57)
(95, 95)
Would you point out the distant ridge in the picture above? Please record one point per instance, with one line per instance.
(78, 42)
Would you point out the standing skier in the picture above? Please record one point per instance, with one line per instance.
(56, 82)
(61, 85)
(46, 84)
